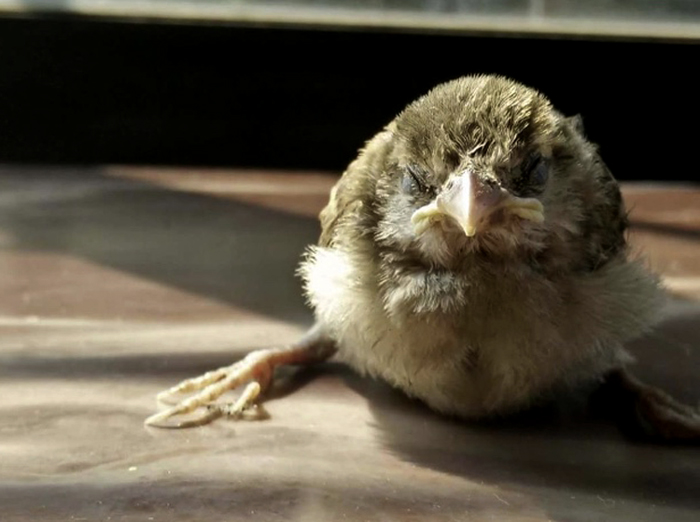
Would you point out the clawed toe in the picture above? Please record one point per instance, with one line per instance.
(253, 373)
(254, 370)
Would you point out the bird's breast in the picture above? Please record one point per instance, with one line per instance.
(430, 333)
(472, 345)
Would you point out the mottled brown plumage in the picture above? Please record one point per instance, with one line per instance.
(474, 256)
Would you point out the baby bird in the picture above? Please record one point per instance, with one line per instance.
(473, 256)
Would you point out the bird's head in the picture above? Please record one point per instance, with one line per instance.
(480, 164)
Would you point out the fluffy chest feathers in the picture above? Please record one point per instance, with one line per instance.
(482, 341)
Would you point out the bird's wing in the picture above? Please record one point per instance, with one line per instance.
(342, 203)
(350, 205)
(608, 220)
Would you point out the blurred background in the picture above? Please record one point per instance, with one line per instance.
(301, 84)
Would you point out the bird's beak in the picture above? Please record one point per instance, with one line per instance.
(469, 201)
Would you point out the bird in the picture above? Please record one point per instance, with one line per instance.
(473, 256)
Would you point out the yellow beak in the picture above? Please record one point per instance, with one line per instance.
(468, 201)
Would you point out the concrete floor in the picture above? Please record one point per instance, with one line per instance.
(116, 283)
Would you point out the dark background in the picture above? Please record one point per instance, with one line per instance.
(81, 91)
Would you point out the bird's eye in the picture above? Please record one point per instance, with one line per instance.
(535, 171)
(411, 181)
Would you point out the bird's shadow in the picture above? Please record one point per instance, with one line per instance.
(560, 445)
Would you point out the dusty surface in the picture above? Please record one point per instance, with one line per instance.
(116, 283)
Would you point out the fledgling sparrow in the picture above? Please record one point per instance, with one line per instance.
(473, 256)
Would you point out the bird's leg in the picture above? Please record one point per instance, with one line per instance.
(255, 371)
(648, 413)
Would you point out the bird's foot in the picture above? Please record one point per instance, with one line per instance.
(664, 417)
(255, 371)
(648, 413)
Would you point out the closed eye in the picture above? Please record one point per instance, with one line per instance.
(532, 176)
(539, 173)
(413, 181)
